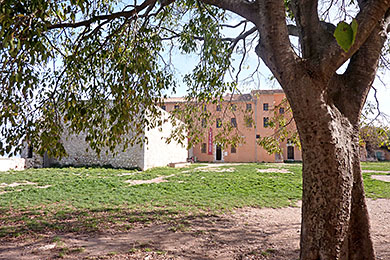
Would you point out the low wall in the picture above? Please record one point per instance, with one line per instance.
(7, 164)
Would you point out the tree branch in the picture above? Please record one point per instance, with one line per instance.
(235, 40)
(333, 56)
(94, 19)
(309, 28)
(359, 76)
(242, 36)
(293, 30)
(243, 8)
(236, 25)
(274, 46)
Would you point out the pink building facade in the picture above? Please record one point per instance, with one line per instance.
(248, 115)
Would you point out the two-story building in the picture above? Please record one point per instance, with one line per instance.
(249, 115)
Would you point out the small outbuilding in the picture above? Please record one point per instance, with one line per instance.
(153, 152)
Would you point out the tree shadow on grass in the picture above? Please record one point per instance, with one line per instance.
(135, 235)
(33, 222)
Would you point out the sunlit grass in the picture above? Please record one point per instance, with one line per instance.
(90, 199)
(375, 188)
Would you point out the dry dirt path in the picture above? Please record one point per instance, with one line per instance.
(247, 233)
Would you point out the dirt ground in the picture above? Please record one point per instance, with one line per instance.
(247, 233)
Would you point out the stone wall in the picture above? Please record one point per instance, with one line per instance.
(78, 155)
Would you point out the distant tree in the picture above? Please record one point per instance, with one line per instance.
(62, 60)
(374, 129)
(373, 138)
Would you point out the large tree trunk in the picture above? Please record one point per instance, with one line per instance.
(326, 108)
(335, 222)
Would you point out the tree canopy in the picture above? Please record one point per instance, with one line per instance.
(63, 61)
(58, 53)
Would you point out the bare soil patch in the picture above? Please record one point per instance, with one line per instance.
(214, 167)
(155, 180)
(385, 178)
(15, 184)
(127, 174)
(248, 233)
(277, 170)
(375, 171)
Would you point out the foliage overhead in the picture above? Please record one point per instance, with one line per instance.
(92, 65)
(89, 66)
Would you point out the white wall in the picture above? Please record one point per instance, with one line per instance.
(157, 152)
(7, 164)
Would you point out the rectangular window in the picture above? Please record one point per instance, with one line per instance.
(219, 123)
(219, 108)
(233, 122)
(177, 107)
(233, 107)
(248, 107)
(281, 110)
(265, 106)
(164, 107)
(204, 123)
(257, 136)
(233, 149)
(203, 148)
(265, 121)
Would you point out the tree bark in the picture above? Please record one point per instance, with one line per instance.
(335, 223)
(359, 243)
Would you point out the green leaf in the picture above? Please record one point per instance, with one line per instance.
(354, 26)
(345, 34)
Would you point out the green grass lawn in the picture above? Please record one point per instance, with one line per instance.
(89, 199)
(375, 188)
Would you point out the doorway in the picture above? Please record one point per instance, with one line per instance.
(47, 161)
(218, 154)
(290, 152)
